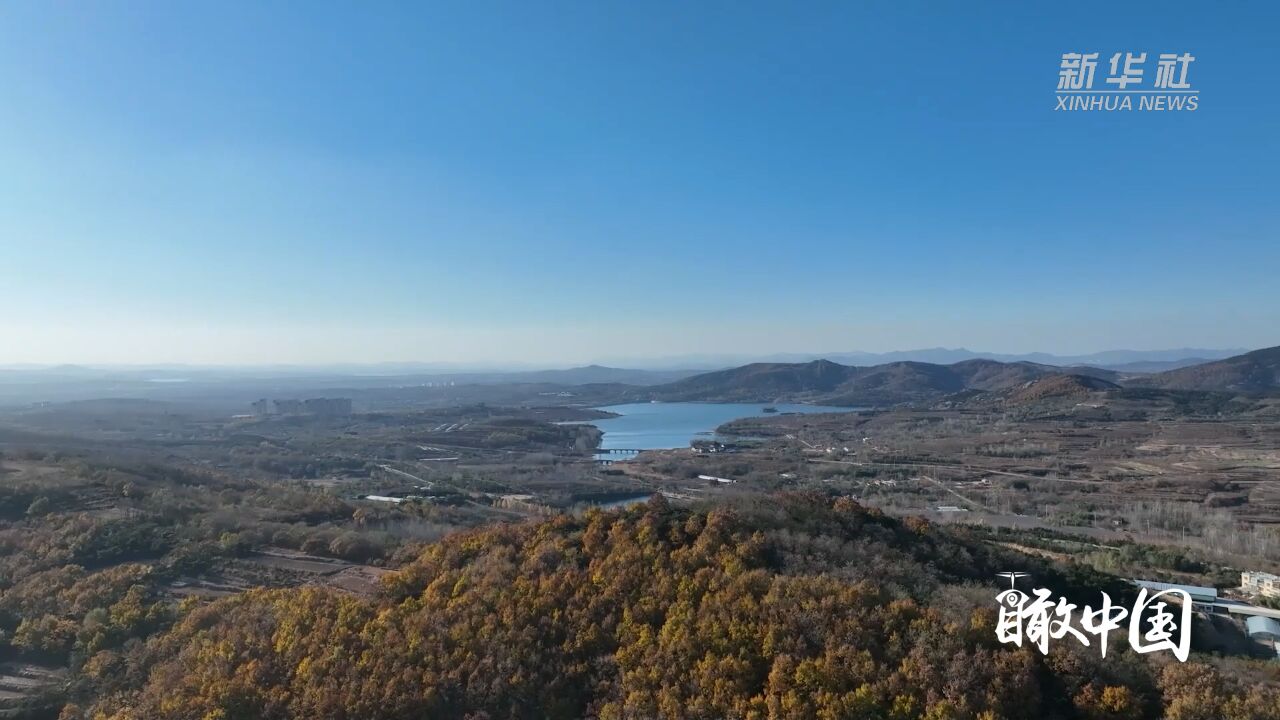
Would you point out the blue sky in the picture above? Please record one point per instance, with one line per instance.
(228, 182)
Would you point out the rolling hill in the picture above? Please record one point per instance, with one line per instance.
(758, 382)
(1059, 386)
(831, 383)
(1252, 372)
(894, 383)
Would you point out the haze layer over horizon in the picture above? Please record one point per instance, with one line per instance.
(249, 184)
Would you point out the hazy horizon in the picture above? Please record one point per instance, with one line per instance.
(225, 352)
(656, 362)
(239, 183)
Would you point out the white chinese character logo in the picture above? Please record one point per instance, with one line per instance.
(1077, 71)
(1158, 636)
(1130, 73)
(1165, 67)
(1041, 619)
(1102, 621)
(1038, 619)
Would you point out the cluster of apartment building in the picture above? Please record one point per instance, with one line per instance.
(312, 406)
(1260, 583)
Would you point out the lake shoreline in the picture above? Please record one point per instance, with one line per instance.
(674, 425)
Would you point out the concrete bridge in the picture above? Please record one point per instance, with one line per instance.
(614, 451)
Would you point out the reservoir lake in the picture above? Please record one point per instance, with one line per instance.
(660, 426)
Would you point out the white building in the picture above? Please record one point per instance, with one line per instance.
(1260, 583)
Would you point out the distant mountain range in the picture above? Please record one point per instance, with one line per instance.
(852, 382)
(1123, 360)
(828, 382)
(588, 375)
(1154, 366)
(634, 371)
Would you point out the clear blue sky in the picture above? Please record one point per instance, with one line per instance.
(234, 182)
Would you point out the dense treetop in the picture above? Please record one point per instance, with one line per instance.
(795, 607)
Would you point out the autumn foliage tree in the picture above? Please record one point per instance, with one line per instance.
(792, 608)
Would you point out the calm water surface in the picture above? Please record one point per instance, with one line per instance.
(659, 426)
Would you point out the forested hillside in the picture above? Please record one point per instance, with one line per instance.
(823, 381)
(1253, 372)
(831, 383)
(791, 607)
